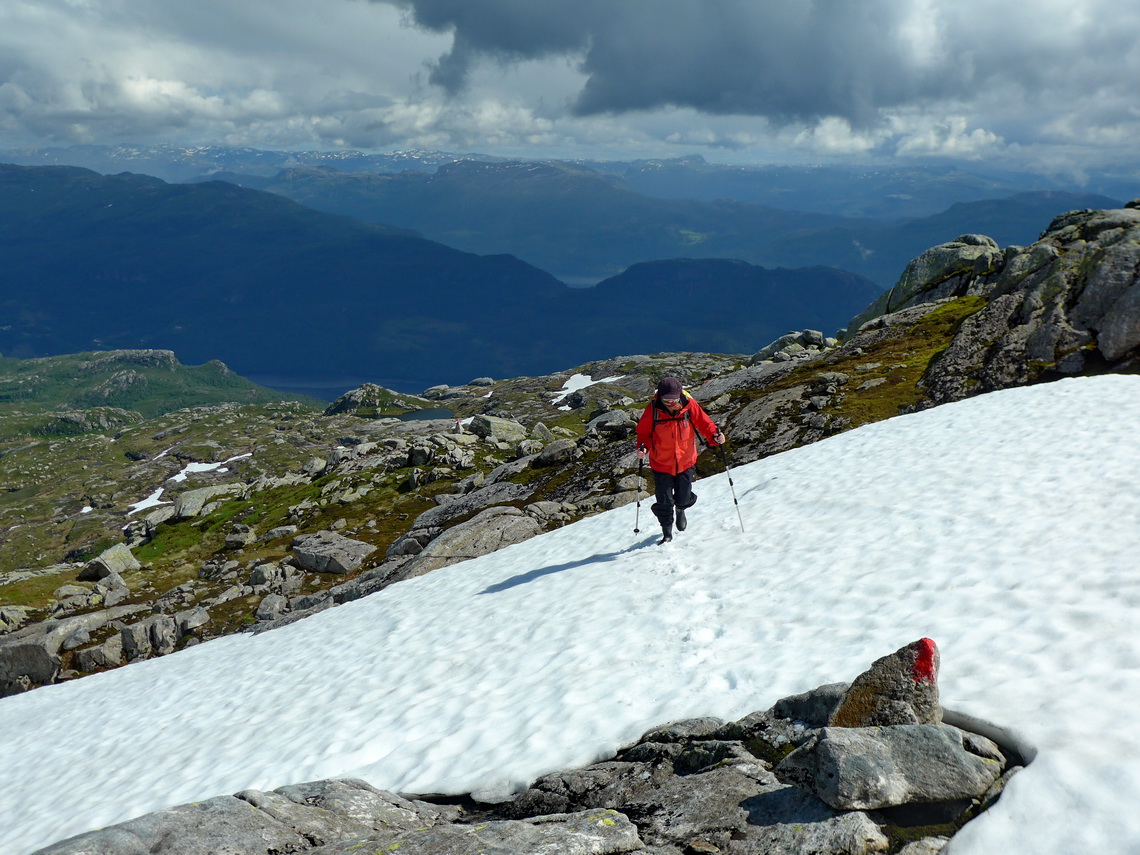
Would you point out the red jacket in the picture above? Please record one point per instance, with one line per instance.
(670, 437)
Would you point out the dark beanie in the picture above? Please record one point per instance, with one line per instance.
(669, 387)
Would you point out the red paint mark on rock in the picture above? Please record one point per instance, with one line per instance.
(926, 661)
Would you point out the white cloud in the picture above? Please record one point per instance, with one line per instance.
(739, 79)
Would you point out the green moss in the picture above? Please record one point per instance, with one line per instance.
(766, 751)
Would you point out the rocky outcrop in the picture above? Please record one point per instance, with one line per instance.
(768, 783)
(33, 656)
(1065, 305)
(329, 552)
(486, 532)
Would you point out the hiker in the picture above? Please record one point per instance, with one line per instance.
(666, 434)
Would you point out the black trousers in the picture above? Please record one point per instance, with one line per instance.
(673, 491)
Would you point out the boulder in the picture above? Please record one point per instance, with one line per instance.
(118, 559)
(271, 607)
(12, 617)
(870, 768)
(901, 688)
(279, 532)
(497, 429)
(329, 552)
(484, 533)
(492, 494)
(112, 589)
(193, 503)
(24, 662)
(109, 654)
(240, 536)
(614, 423)
(558, 452)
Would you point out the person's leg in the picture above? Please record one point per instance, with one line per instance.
(683, 496)
(663, 485)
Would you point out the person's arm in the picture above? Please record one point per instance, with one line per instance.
(708, 429)
(644, 432)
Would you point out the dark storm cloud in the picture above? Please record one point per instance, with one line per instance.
(799, 60)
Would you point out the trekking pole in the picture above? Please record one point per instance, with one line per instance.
(731, 486)
(637, 515)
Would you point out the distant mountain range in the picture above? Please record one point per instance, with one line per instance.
(587, 220)
(182, 163)
(583, 225)
(214, 270)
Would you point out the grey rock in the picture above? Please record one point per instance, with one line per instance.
(592, 832)
(329, 552)
(240, 536)
(528, 448)
(22, 661)
(557, 453)
(926, 846)
(157, 516)
(118, 559)
(814, 707)
(220, 826)
(279, 532)
(680, 731)
(78, 638)
(31, 655)
(192, 503)
(486, 532)
(788, 821)
(880, 767)
(191, 619)
(498, 429)
(112, 589)
(271, 607)
(109, 654)
(601, 785)
(901, 688)
(614, 423)
(541, 432)
(492, 494)
(325, 812)
(12, 617)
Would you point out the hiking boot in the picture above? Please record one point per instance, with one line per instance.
(681, 521)
(666, 534)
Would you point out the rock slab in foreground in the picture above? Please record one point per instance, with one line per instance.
(870, 768)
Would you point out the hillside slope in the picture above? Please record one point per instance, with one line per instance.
(214, 271)
(548, 654)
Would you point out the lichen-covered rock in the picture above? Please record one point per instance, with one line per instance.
(901, 688)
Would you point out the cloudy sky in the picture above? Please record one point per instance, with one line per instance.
(1044, 84)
